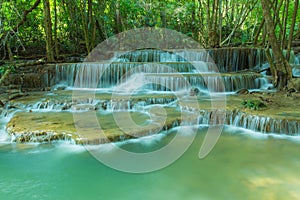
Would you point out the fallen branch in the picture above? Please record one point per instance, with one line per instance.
(5, 75)
(31, 63)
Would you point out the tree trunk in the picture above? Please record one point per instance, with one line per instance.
(209, 24)
(213, 35)
(55, 30)
(163, 15)
(84, 19)
(285, 20)
(255, 40)
(220, 21)
(118, 19)
(296, 5)
(91, 25)
(73, 11)
(48, 31)
(282, 69)
(10, 54)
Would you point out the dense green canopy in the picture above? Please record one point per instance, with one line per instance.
(78, 25)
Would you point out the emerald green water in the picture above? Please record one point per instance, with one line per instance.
(243, 165)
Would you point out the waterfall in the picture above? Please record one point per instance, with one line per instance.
(227, 59)
(167, 70)
(165, 56)
(297, 59)
(102, 75)
(120, 103)
(235, 59)
(46, 106)
(257, 123)
(175, 82)
(154, 76)
(111, 72)
(263, 83)
(296, 70)
(133, 104)
(136, 73)
(38, 136)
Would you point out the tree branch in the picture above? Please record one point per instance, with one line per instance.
(26, 12)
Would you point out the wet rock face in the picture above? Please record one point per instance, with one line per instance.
(32, 78)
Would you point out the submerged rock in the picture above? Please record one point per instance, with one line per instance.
(60, 87)
(194, 91)
(242, 91)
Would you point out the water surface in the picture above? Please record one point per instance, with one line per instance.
(243, 165)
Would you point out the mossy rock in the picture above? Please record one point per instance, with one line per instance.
(294, 83)
(253, 104)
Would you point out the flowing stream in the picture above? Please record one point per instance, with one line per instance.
(239, 167)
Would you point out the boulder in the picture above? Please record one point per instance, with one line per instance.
(242, 91)
(194, 91)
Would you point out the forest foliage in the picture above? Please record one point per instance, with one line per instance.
(77, 26)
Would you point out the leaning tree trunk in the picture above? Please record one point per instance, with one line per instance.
(282, 70)
(48, 31)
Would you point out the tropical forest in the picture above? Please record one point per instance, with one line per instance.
(148, 99)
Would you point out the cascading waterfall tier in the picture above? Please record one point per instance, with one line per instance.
(155, 76)
(235, 118)
(122, 66)
(227, 59)
(153, 65)
(216, 82)
(263, 124)
(109, 105)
